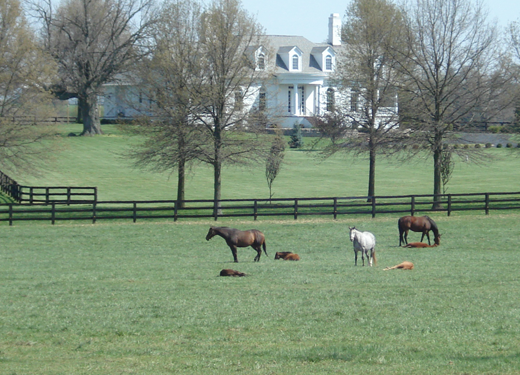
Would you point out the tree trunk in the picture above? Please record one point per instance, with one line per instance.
(88, 105)
(372, 172)
(437, 174)
(180, 184)
(217, 182)
(217, 172)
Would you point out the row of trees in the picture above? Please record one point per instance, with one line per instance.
(443, 59)
(440, 57)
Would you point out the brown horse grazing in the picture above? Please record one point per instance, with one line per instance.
(418, 224)
(401, 266)
(230, 272)
(237, 238)
(281, 254)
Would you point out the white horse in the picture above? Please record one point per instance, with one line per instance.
(364, 242)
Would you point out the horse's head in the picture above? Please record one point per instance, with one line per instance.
(352, 233)
(437, 239)
(211, 233)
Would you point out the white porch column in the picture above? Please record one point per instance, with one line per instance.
(296, 103)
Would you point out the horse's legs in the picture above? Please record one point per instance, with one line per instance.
(234, 252)
(363, 257)
(259, 251)
(427, 236)
(406, 237)
(355, 259)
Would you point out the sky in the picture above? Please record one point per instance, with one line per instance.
(311, 18)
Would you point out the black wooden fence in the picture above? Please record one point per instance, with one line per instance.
(46, 194)
(9, 186)
(295, 208)
(56, 194)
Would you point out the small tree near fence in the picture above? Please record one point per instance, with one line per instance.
(274, 162)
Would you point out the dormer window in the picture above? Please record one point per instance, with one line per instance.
(328, 62)
(295, 63)
(325, 57)
(261, 62)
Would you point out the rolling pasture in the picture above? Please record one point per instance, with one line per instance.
(146, 298)
(97, 161)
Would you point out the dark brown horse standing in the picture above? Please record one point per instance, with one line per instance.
(237, 238)
(418, 224)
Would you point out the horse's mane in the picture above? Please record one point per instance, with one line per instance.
(435, 229)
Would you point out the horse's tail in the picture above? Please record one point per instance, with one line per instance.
(374, 256)
(264, 247)
(401, 230)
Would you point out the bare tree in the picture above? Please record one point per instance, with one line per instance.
(366, 73)
(229, 37)
(514, 43)
(92, 42)
(448, 64)
(199, 79)
(24, 103)
(170, 137)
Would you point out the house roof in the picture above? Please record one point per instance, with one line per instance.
(284, 43)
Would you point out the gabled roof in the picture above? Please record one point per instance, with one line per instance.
(285, 43)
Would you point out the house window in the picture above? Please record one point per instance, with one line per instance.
(354, 100)
(261, 62)
(302, 100)
(289, 96)
(328, 62)
(262, 100)
(239, 101)
(295, 63)
(330, 99)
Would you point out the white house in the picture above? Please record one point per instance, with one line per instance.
(296, 87)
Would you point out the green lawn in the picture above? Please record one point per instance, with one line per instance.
(147, 299)
(97, 161)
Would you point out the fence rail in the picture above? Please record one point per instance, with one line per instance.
(255, 208)
(56, 194)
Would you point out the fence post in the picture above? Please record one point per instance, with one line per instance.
(255, 210)
(174, 210)
(53, 213)
(95, 194)
(335, 208)
(68, 196)
(412, 206)
(135, 212)
(94, 212)
(10, 215)
(46, 195)
(373, 207)
(31, 195)
(487, 204)
(295, 209)
(449, 204)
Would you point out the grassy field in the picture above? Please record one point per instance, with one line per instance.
(147, 299)
(97, 161)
